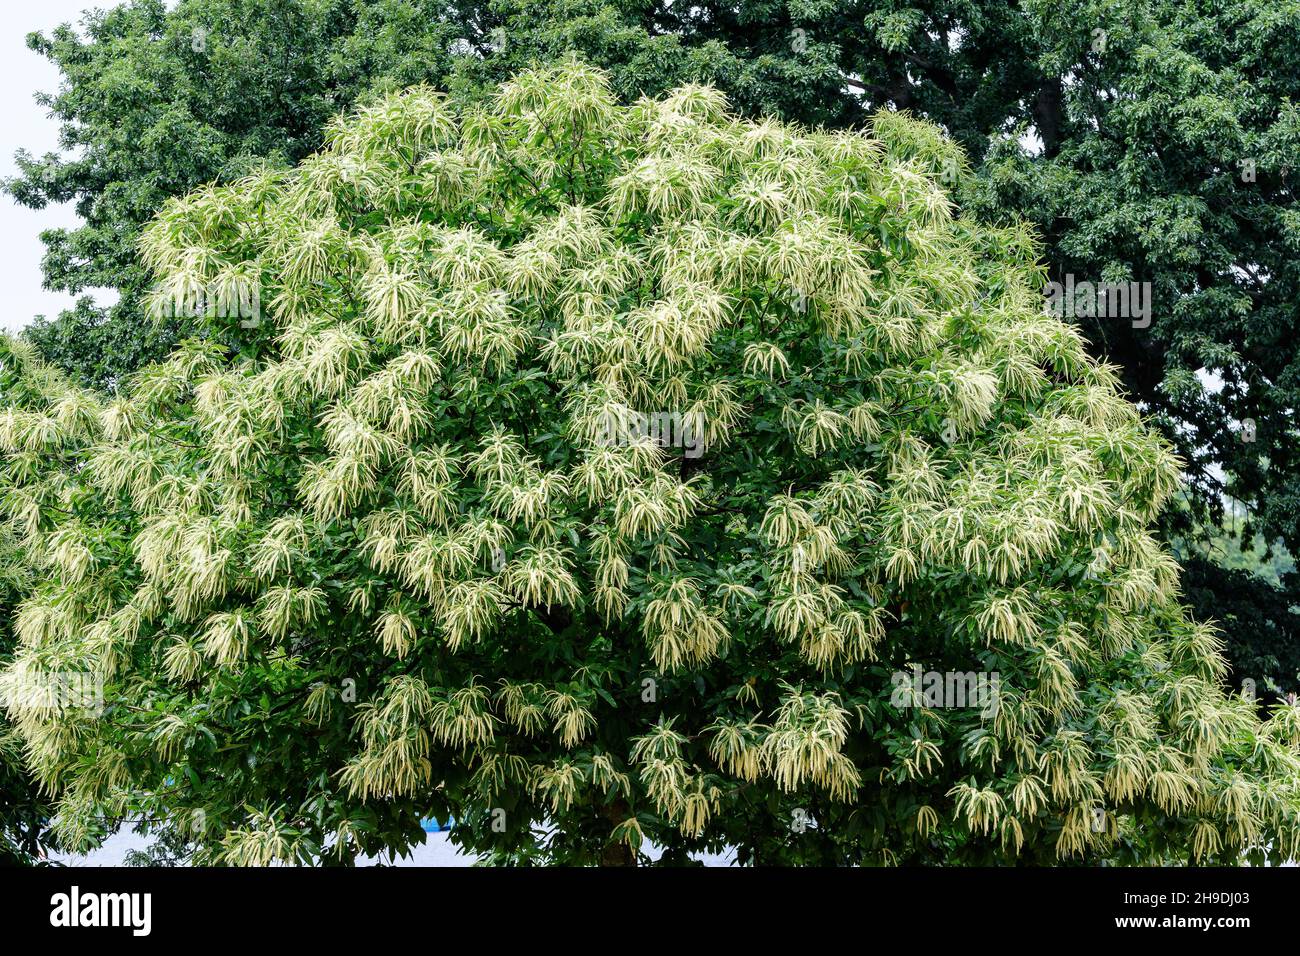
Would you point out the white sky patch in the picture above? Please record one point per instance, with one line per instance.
(27, 125)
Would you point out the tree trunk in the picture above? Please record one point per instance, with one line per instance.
(617, 854)
(1048, 111)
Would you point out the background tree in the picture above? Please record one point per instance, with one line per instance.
(1149, 140)
(406, 546)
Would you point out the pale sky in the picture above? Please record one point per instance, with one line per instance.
(27, 125)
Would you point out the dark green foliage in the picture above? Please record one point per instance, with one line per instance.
(1261, 627)
(1145, 112)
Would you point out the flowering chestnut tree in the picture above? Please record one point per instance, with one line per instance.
(617, 480)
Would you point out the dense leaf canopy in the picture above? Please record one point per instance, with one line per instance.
(1148, 140)
(402, 543)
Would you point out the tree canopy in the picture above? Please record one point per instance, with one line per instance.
(404, 544)
(1149, 140)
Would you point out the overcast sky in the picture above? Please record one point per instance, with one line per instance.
(27, 125)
